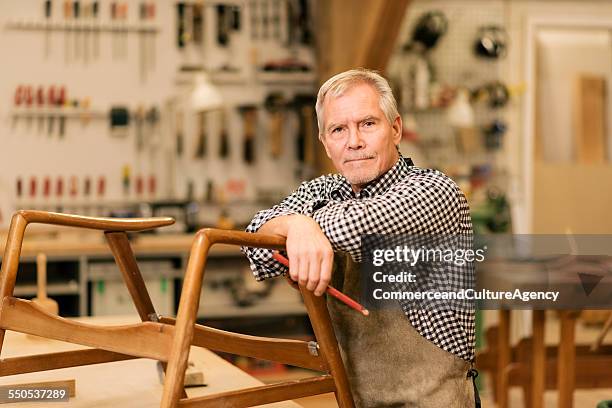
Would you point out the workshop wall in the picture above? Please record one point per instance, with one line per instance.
(140, 70)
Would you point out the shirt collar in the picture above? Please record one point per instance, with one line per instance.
(343, 190)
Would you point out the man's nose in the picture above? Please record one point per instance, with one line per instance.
(355, 141)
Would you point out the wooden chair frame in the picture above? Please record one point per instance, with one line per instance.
(163, 338)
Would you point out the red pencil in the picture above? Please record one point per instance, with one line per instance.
(330, 289)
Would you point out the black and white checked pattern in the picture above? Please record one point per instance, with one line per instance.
(404, 200)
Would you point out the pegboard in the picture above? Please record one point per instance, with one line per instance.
(39, 58)
(454, 63)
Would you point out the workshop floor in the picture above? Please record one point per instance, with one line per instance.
(582, 398)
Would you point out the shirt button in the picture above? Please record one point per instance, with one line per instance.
(364, 194)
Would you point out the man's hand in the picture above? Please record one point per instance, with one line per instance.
(308, 249)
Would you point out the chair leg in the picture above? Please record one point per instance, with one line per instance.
(124, 257)
(326, 338)
(10, 262)
(185, 323)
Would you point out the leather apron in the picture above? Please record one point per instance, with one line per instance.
(388, 363)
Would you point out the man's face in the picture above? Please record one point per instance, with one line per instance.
(357, 136)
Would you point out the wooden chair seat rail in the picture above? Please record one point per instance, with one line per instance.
(149, 340)
(285, 351)
(264, 394)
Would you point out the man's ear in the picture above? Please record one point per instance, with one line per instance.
(397, 130)
(322, 139)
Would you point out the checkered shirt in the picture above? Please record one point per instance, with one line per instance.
(404, 200)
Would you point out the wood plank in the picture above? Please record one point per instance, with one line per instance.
(264, 395)
(286, 351)
(53, 361)
(590, 119)
(149, 340)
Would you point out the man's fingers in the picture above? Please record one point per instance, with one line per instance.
(313, 272)
(303, 270)
(325, 275)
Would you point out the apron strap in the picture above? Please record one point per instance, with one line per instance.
(472, 372)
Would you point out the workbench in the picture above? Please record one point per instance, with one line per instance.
(130, 383)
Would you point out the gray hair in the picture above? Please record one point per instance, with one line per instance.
(340, 83)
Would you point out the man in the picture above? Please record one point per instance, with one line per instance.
(394, 357)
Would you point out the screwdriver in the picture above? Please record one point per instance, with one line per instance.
(48, 9)
(96, 40)
(18, 99)
(76, 14)
(40, 103)
(61, 101)
(52, 103)
(67, 15)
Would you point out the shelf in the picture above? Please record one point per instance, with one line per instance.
(307, 78)
(82, 26)
(70, 288)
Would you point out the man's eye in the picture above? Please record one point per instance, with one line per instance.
(368, 123)
(336, 130)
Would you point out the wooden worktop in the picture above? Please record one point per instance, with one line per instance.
(131, 383)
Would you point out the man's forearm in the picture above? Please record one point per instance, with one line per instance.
(278, 225)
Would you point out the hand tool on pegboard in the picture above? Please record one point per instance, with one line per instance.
(76, 15)
(17, 101)
(201, 138)
(303, 104)
(114, 17)
(29, 102)
(61, 103)
(86, 30)
(143, 11)
(224, 145)
(151, 36)
(180, 138)
(180, 25)
(95, 13)
(51, 104)
(223, 25)
(48, 13)
(67, 29)
(249, 120)
(275, 105)
(40, 105)
(198, 23)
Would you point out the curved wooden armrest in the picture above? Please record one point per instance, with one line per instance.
(97, 223)
(220, 236)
